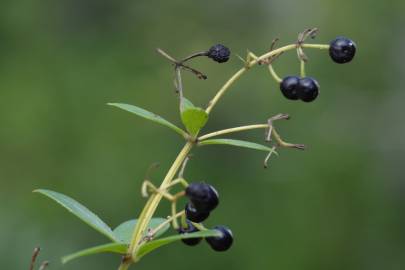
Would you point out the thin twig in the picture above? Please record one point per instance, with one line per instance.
(179, 83)
(183, 167)
(166, 55)
(199, 74)
(147, 184)
(265, 164)
(44, 265)
(204, 53)
(34, 257)
(282, 143)
(163, 224)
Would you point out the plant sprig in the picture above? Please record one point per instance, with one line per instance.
(134, 239)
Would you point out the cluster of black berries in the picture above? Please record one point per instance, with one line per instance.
(341, 50)
(203, 198)
(294, 87)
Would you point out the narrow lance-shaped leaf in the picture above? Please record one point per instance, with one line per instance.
(148, 115)
(123, 232)
(119, 248)
(80, 211)
(238, 143)
(150, 246)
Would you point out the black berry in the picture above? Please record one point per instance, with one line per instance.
(223, 242)
(289, 87)
(204, 197)
(308, 89)
(219, 53)
(342, 50)
(190, 229)
(195, 215)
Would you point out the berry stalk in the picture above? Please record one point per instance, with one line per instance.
(250, 64)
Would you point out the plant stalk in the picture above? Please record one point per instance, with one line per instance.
(154, 200)
(232, 130)
(150, 208)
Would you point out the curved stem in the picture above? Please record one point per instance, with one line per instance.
(232, 130)
(181, 181)
(274, 74)
(282, 143)
(239, 73)
(193, 56)
(222, 91)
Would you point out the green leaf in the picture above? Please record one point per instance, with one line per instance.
(148, 115)
(80, 211)
(239, 143)
(150, 246)
(123, 232)
(186, 104)
(111, 247)
(193, 118)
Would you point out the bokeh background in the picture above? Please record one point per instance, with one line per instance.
(339, 205)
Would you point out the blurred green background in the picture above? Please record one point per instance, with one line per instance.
(339, 205)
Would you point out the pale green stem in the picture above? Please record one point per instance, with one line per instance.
(175, 224)
(222, 91)
(232, 130)
(302, 68)
(316, 46)
(239, 73)
(177, 181)
(150, 208)
(274, 74)
(199, 226)
(167, 221)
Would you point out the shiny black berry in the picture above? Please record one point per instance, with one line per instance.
(223, 242)
(342, 50)
(308, 89)
(195, 215)
(219, 53)
(289, 87)
(190, 229)
(203, 197)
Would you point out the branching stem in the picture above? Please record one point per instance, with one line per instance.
(265, 56)
(150, 208)
(154, 200)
